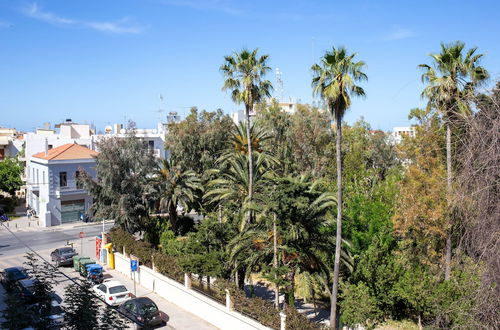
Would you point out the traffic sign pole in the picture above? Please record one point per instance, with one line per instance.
(81, 242)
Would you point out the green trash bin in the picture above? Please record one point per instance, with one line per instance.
(83, 266)
(76, 262)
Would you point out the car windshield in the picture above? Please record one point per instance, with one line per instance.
(18, 274)
(66, 251)
(117, 289)
(147, 308)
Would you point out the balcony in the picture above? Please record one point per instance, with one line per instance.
(71, 188)
(35, 186)
(154, 152)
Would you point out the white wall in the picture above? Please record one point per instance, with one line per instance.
(203, 307)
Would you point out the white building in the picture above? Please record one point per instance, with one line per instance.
(11, 142)
(153, 139)
(399, 132)
(52, 187)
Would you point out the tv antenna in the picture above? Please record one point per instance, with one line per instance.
(279, 81)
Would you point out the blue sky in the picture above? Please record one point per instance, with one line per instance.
(103, 61)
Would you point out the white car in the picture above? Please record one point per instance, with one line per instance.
(114, 293)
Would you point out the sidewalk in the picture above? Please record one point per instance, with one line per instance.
(178, 317)
(23, 224)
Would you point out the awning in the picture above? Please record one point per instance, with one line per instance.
(4, 140)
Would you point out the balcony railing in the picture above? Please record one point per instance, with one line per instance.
(155, 152)
(71, 187)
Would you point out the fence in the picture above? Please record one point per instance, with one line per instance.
(221, 316)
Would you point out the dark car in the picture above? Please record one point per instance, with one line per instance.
(142, 310)
(10, 276)
(63, 256)
(26, 289)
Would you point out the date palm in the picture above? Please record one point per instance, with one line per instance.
(334, 80)
(176, 187)
(244, 77)
(451, 81)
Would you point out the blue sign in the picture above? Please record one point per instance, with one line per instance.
(134, 264)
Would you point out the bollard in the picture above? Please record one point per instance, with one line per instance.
(283, 321)
(229, 301)
(187, 281)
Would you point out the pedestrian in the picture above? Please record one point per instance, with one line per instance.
(28, 214)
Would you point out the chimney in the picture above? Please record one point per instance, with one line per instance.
(46, 147)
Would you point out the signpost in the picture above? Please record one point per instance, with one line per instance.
(134, 266)
(81, 242)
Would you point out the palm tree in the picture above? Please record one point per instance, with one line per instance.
(451, 81)
(334, 79)
(176, 187)
(244, 72)
(300, 243)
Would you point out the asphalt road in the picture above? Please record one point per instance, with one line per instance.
(45, 240)
(42, 239)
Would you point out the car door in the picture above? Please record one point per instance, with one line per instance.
(127, 309)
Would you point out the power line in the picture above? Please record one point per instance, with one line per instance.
(64, 275)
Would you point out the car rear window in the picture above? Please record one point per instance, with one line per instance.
(117, 289)
(66, 251)
(147, 309)
(18, 274)
(56, 310)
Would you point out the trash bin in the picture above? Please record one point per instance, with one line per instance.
(76, 262)
(83, 266)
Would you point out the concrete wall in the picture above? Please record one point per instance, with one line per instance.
(202, 306)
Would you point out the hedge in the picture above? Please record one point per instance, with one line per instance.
(261, 310)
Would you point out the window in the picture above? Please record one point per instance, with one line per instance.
(79, 185)
(50, 146)
(102, 287)
(37, 178)
(63, 180)
(151, 144)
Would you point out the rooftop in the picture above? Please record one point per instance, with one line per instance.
(66, 152)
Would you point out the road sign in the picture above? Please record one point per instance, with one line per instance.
(81, 234)
(134, 264)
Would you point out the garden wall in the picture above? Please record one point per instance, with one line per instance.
(203, 307)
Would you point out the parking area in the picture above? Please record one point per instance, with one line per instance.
(177, 318)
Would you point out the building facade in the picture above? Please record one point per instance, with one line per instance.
(53, 191)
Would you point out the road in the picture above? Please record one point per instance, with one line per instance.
(45, 240)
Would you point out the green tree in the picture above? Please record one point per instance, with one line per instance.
(196, 143)
(451, 81)
(177, 187)
(10, 175)
(109, 319)
(122, 190)
(244, 76)
(81, 307)
(15, 314)
(43, 276)
(335, 81)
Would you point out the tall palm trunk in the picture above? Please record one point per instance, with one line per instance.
(172, 214)
(275, 264)
(447, 262)
(250, 160)
(338, 240)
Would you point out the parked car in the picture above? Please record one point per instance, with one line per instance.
(26, 289)
(144, 311)
(113, 292)
(4, 218)
(11, 275)
(63, 256)
(56, 316)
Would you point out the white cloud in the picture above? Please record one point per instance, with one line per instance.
(400, 33)
(115, 28)
(36, 12)
(118, 27)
